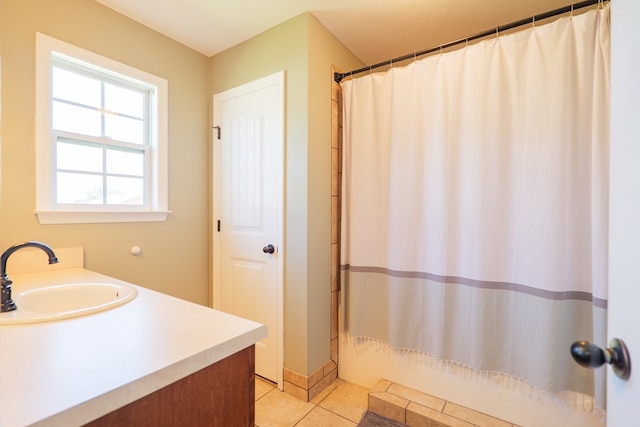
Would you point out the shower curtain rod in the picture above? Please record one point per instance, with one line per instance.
(339, 76)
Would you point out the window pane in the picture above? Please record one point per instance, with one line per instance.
(123, 101)
(125, 191)
(76, 88)
(79, 157)
(124, 129)
(76, 119)
(101, 133)
(125, 162)
(79, 188)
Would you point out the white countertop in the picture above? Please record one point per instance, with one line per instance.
(69, 372)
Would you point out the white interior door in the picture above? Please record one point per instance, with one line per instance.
(623, 397)
(248, 175)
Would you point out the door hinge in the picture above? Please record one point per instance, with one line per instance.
(218, 225)
(217, 128)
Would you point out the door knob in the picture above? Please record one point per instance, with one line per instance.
(591, 356)
(269, 249)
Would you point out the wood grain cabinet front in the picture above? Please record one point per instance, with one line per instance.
(222, 394)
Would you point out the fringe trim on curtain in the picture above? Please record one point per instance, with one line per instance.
(563, 399)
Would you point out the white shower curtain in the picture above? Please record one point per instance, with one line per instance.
(474, 204)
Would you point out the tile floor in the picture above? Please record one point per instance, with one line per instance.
(339, 405)
(342, 404)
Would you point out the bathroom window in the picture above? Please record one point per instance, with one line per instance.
(100, 138)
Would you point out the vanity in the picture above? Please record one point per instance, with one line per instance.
(155, 360)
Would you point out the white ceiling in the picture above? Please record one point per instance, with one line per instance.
(374, 30)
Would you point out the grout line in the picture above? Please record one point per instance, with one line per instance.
(314, 405)
(264, 394)
(325, 409)
(304, 416)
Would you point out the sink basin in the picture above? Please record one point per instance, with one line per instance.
(58, 302)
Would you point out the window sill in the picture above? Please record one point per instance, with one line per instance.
(95, 217)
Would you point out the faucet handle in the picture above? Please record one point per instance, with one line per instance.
(6, 303)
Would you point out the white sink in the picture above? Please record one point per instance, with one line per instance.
(58, 302)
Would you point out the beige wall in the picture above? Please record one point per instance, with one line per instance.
(174, 256)
(305, 50)
(325, 51)
(282, 48)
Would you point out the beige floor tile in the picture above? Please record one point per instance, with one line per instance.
(279, 409)
(421, 416)
(348, 400)
(382, 385)
(388, 405)
(417, 396)
(263, 387)
(324, 393)
(320, 417)
(477, 418)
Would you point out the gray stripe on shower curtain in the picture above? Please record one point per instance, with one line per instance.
(484, 284)
(500, 330)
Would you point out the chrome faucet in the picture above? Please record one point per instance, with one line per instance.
(7, 303)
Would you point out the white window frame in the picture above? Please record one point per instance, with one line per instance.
(46, 210)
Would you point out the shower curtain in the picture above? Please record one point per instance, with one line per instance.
(474, 205)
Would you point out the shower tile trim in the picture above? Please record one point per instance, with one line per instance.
(415, 408)
(307, 387)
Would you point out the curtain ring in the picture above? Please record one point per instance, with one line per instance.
(498, 31)
(571, 14)
(415, 57)
(466, 42)
(533, 21)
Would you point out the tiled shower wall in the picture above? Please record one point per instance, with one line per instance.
(336, 179)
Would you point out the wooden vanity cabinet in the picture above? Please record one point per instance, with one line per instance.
(222, 394)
